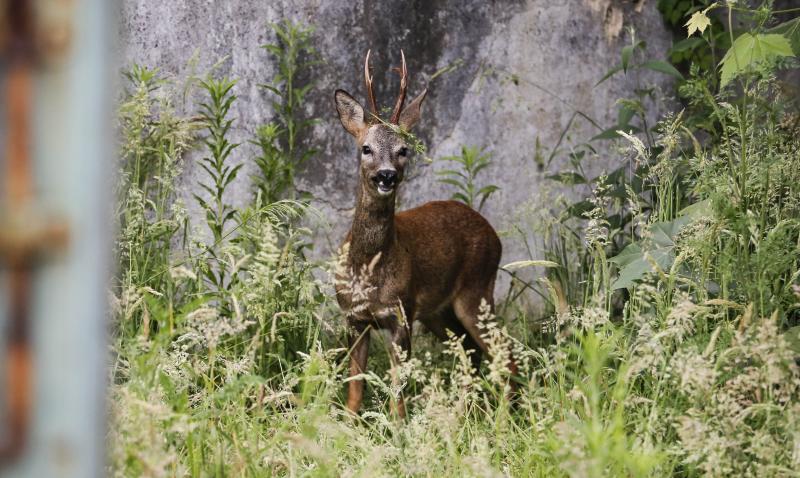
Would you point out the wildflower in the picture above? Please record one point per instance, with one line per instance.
(498, 344)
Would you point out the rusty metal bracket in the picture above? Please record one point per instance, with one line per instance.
(25, 237)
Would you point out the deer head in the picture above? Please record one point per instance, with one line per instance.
(382, 150)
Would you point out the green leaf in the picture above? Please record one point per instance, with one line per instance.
(665, 232)
(790, 30)
(487, 190)
(697, 210)
(625, 115)
(480, 167)
(628, 255)
(750, 50)
(662, 67)
(686, 44)
(568, 177)
(698, 22)
(461, 197)
(580, 208)
(627, 52)
(612, 132)
(640, 266)
(637, 259)
(609, 74)
(202, 202)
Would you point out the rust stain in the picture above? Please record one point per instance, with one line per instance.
(20, 238)
(18, 94)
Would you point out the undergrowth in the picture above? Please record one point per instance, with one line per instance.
(665, 343)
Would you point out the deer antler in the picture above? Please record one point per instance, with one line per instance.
(401, 97)
(368, 81)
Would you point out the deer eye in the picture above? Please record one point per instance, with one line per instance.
(366, 150)
(403, 151)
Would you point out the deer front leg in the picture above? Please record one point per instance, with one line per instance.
(400, 351)
(359, 347)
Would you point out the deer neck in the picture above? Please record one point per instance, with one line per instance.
(373, 227)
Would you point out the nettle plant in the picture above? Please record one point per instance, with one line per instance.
(647, 201)
(747, 161)
(221, 173)
(471, 161)
(279, 141)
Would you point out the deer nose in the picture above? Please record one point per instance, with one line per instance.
(387, 177)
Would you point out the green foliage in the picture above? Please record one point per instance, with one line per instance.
(161, 293)
(215, 115)
(711, 241)
(791, 30)
(471, 161)
(692, 16)
(279, 142)
(148, 213)
(747, 151)
(273, 166)
(220, 172)
(699, 22)
(750, 51)
(634, 108)
(626, 65)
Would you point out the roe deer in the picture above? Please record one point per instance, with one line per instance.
(434, 264)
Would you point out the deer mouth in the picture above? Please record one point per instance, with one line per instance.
(385, 189)
(385, 184)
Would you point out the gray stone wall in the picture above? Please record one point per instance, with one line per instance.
(525, 69)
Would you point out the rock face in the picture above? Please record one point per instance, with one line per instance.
(523, 71)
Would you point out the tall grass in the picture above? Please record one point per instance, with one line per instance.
(664, 347)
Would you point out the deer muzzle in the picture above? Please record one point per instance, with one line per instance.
(386, 181)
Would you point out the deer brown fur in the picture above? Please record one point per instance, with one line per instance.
(433, 264)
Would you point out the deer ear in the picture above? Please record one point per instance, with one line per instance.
(351, 113)
(410, 115)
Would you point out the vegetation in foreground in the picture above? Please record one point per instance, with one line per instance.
(666, 345)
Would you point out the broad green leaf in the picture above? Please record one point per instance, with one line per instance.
(749, 50)
(663, 233)
(637, 259)
(640, 266)
(790, 30)
(697, 210)
(628, 255)
(662, 67)
(686, 45)
(699, 21)
(580, 208)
